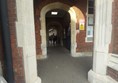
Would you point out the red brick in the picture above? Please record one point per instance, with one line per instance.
(114, 43)
(112, 73)
(17, 53)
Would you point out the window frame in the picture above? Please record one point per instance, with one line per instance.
(88, 24)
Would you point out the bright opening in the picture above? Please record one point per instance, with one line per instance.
(54, 13)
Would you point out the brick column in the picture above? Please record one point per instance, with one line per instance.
(17, 52)
(26, 39)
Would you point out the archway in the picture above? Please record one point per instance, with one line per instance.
(57, 5)
(51, 28)
(59, 25)
(102, 39)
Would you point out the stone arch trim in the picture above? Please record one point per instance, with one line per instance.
(70, 10)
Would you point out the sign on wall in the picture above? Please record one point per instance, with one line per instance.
(81, 24)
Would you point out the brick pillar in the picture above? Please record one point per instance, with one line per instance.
(25, 34)
(17, 55)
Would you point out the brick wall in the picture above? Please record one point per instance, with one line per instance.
(113, 73)
(17, 55)
(77, 6)
(114, 43)
(38, 36)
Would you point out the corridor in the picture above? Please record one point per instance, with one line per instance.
(60, 67)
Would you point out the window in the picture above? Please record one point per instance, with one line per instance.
(90, 6)
(90, 21)
(90, 31)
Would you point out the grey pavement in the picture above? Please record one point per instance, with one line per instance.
(60, 67)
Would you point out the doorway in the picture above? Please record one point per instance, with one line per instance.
(58, 30)
(99, 33)
(70, 10)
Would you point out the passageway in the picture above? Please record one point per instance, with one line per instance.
(58, 30)
(60, 67)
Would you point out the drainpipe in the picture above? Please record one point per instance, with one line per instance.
(6, 41)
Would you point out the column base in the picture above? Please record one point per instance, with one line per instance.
(2, 80)
(41, 57)
(82, 54)
(97, 78)
(38, 80)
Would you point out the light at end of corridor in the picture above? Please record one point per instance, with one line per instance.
(54, 13)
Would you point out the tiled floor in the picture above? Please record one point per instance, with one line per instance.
(60, 67)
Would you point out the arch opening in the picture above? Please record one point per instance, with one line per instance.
(58, 28)
(61, 6)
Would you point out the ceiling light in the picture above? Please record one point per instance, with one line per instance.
(54, 13)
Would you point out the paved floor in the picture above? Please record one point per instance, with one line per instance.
(60, 67)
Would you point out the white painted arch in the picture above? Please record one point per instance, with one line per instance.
(70, 10)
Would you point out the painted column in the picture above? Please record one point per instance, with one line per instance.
(102, 37)
(26, 39)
